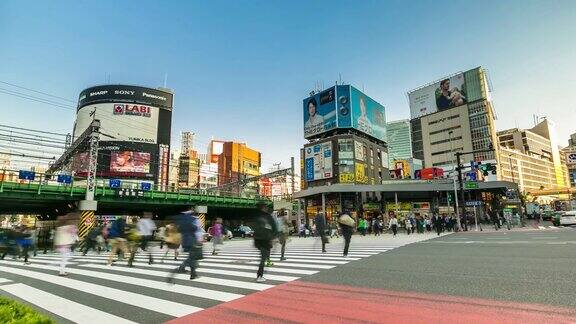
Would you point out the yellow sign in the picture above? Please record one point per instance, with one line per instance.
(346, 177)
(360, 169)
(399, 206)
(402, 165)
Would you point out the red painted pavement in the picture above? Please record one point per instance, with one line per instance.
(306, 302)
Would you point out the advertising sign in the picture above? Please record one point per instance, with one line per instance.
(368, 116)
(570, 158)
(124, 93)
(360, 171)
(359, 151)
(318, 161)
(404, 168)
(121, 122)
(130, 162)
(320, 113)
(445, 94)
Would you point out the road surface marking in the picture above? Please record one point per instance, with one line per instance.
(62, 307)
(143, 301)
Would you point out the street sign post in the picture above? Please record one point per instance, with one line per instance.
(472, 203)
(471, 185)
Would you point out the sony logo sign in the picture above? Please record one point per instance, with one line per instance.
(124, 92)
(148, 95)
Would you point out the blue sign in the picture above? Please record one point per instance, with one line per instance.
(310, 169)
(472, 176)
(26, 175)
(368, 116)
(64, 178)
(320, 112)
(146, 186)
(114, 183)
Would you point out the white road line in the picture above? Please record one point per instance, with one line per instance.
(286, 263)
(258, 258)
(319, 258)
(186, 290)
(4, 280)
(62, 307)
(217, 271)
(247, 267)
(208, 280)
(143, 301)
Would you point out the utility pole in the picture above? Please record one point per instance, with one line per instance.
(293, 175)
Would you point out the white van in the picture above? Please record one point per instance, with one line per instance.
(568, 218)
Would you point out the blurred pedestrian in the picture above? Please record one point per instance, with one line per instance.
(320, 221)
(438, 224)
(428, 223)
(161, 235)
(407, 225)
(117, 237)
(91, 240)
(362, 226)
(146, 228)
(217, 231)
(393, 224)
(347, 225)
(265, 230)
(172, 239)
(190, 229)
(65, 236)
(283, 226)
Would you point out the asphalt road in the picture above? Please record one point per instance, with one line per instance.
(521, 266)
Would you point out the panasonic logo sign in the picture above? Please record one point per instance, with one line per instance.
(147, 95)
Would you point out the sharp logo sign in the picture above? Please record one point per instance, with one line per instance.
(133, 110)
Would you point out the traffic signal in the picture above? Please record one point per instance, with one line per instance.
(488, 168)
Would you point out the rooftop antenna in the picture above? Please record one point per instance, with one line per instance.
(165, 79)
(340, 78)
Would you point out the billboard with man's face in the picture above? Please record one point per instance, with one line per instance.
(445, 94)
(320, 113)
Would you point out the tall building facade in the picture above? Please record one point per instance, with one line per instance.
(531, 158)
(399, 139)
(450, 115)
(569, 157)
(189, 170)
(236, 162)
(186, 142)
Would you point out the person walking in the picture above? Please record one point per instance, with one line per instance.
(265, 230)
(91, 240)
(438, 222)
(362, 226)
(283, 226)
(173, 240)
(320, 221)
(216, 232)
(146, 228)
(65, 236)
(393, 224)
(347, 225)
(117, 238)
(190, 229)
(161, 235)
(407, 225)
(428, 224)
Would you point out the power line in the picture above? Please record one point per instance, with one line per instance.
(15, 94)
(32, 130)
(40, 92)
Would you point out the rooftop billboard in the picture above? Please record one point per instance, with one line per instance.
(449, 92)
(343, 107)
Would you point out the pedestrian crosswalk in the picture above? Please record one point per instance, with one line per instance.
(95, 292)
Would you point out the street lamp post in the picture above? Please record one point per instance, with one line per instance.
(511, 170)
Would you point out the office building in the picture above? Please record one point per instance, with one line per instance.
(531, 158)
(453, 114)
(186, 142)
(189, 170)
(236, 162)
(399, 139)
(568, 154)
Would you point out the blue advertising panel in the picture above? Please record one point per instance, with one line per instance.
(343, 103)
(26, 175)
(368, 116)
(320, 113)
(64, 178)
(146, 186)
(114, 183)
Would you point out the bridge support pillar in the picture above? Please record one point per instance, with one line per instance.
(87, 219)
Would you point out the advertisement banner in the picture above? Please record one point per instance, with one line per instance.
(359, 151)
(318, 161)
(130, 162)
(360, 170)
(445, 94)
(368, 116)
(125, 93)
(121, 122)
(571, 158)
(320, 113)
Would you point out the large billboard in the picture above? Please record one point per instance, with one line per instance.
(121, 122)
(125, 93)
(318, 161)
(343, 107)
(444, 94)
(368, 116)
(129, 162)
(320, 113)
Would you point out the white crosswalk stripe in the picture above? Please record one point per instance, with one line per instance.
(224, 277)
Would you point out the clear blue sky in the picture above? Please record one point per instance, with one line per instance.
(240, 69)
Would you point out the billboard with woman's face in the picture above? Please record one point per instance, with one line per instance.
(343, 106)
(130, 162)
